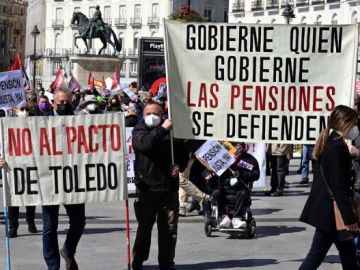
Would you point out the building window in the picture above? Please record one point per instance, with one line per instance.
(107, 14)
(59, 14)
(58, 44)
(91, 11)
(56, 66)
(354, 17)
(155, 10)
(208, 13)
(122, 40)
(123, 69)
(137, 11)
(122, 11)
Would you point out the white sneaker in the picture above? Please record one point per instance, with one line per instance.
(238, 223)
(226, 222)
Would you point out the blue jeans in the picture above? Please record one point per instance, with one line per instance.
(307, 150)
(76, 213)
(321, 244)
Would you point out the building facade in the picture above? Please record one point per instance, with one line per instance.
(325, 12)
(12, 31)
(305, 11)
(130, 19)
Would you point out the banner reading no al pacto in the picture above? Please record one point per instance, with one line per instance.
(272, 83)
(64, 159)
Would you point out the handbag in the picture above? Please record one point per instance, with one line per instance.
(355, 203)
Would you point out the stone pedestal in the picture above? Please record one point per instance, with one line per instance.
(99, 66)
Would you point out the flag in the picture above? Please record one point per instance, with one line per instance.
(16, 65)
(59, 80)
(91, 81)
(73, 84)
(116, 79)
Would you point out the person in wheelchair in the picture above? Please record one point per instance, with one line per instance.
(234, 186)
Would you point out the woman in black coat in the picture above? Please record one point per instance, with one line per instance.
(334, 159)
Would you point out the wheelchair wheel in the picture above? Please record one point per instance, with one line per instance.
(208, 230)
(251, 229)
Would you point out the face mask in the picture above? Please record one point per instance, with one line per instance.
(43, 106)
(91, 107)
(22, 113)
(152, 120)
(64, 109)
(353, 133)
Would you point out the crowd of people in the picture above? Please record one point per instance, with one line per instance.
(163, 186)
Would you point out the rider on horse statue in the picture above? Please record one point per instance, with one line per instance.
(96, 22)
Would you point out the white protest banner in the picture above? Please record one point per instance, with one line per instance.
(64, 159)
(12, 92)
(272, 83)
(130, 161)
(215, 156)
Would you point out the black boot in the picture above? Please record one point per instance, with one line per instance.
(13, 232)
(32, 227)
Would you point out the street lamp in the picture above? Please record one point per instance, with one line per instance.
(35, 32)
(288, 12)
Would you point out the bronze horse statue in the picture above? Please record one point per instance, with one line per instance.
(82, 22)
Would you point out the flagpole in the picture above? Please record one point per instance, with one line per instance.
(7, 240)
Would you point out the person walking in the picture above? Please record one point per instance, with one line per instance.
(157, 185)
(333, 171)
(76, 212)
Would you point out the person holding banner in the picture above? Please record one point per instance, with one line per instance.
(76, 212)
(333, 183)
(157, 185)
(20, 111)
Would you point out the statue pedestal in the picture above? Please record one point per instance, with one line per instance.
(99, 65)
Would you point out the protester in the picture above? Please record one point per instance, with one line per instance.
(333, 171)
(187, 188)
(245, 169)
(131, 118)
(114, 104)
(76, 212)
(20, 111)
(90, 105)
(279, 162)
(306, 157)
(157, 186)
(44, 108)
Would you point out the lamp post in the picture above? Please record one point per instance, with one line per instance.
(288, 13)
(35, 32)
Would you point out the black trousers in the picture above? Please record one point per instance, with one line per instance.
(278, 172)
(14, 216)
(321, 244)
(162, 207)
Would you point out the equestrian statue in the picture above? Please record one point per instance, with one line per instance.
(94, 28)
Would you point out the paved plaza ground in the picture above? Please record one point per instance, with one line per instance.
(281, 241)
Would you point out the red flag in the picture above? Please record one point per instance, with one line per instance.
(116, 79)
(16, 65)
(91, 81)
(59, 80)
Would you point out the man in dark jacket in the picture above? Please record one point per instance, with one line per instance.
(157, 183)
(76, 212)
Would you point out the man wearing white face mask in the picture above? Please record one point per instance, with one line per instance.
(157, 185)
